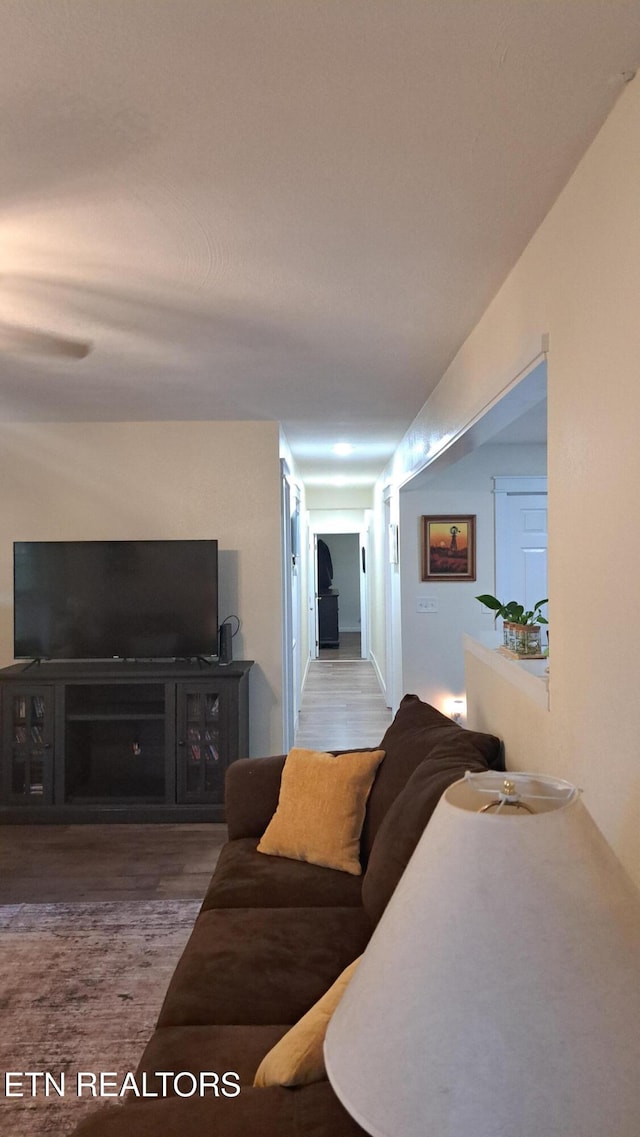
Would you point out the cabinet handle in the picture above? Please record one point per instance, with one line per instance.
(181, 742)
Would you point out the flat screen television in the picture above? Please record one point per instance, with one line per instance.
(115, 599)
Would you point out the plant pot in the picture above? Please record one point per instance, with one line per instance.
(523, 639)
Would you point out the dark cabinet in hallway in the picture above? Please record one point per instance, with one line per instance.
(328, 633)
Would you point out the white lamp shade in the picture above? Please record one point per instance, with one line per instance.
(500, 993)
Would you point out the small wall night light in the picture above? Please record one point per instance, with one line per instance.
(456, 708)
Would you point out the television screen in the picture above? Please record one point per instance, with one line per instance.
(115, 599)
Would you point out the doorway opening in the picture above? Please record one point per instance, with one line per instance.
(496, 471)
(340, 571)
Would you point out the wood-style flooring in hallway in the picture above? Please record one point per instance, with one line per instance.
(342, 706)
(349, 647)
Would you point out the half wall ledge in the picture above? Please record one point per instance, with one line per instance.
(529, 676)
(506, 697)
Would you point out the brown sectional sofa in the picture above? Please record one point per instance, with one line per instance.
(272, 936)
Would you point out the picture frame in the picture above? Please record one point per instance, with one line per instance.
(448, 544)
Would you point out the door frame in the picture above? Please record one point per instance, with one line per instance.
(290, 516)
(362, 533)
(364, 567)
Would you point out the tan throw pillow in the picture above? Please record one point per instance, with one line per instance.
(298, 1057)
(321, 808)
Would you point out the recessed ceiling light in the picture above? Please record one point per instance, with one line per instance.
(342, 449)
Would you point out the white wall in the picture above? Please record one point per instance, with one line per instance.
(125, 481)
(577, 281)
(432, 655)
(338, 498)
(336, 520)
(526, 727)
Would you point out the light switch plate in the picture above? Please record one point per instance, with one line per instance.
(426, 604)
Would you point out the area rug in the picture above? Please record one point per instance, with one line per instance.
(80, 990)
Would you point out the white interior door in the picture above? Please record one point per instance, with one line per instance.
(314, 629)
(390, 571)
(296, 606)
(364, 593)
(521, 540)
(288, 717)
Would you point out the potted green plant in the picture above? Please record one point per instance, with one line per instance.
(521, 629)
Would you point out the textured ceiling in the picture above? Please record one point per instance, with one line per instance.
(280, 209)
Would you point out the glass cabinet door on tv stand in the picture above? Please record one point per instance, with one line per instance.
(128, 740)
(28, 743)
(202, 714)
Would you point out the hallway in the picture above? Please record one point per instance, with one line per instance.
(342, 706)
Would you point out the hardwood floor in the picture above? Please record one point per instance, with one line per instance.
(42, 864)
(342, 706)
(349, 648)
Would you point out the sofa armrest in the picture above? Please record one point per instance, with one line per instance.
(252, 787)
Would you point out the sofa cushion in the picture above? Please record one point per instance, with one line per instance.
(244, 878)
(321, 808)
(204, 1048)
(312, 1111)
(319, 1113)
(414, 733)
(406, 819)
(297, 1059)
(268, 1113)
(261, 965)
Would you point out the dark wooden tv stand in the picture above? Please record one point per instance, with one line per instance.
(120, 741)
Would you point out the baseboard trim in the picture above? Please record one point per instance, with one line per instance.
(379, 675)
